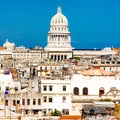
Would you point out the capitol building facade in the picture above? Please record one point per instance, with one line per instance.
(59, 39)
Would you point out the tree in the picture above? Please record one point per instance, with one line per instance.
(56, 113)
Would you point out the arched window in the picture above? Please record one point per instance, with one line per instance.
(85, 91)
(76, 91)
(101, 91)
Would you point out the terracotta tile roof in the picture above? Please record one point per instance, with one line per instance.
(96, 71)
(2, 48)
(70, 117)
(116, 49)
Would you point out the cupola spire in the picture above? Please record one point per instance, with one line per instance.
(59, 10)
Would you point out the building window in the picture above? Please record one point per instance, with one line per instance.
(39, 101)
(28, 101)
(18, 101)
(61, 57)
(44, 87)
(65, 111)
(50, 87)
(44, 98)
(34, 101)
(64, 99)
(23, 101)
(16, 88)
(102, 62)
(76, 91)
(65, 56)
(14, 102)
(101, 91)
(55, 57)
(58, 57)
(49, 110)
(45, 112)
(85, 91)
(45, 69)
(41, 69)
(118, 62)
(6, 102)
(64, 87)
(107, 62)
(51, 56)
(113, 62)
(7, 88)
(50, 99)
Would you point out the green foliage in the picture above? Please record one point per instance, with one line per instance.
(49, 59)
(105, 100)
(44, 59)
(76, 58)
(56, 113)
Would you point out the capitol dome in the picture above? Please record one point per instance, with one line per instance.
(59, 38)
(59, 18)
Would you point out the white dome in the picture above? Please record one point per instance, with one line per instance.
(9, 45)
(59, 36)
(59, 18)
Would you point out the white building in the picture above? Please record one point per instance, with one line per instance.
(28, 55)
(6, 50)
(93, 85)
(6, 81)
(8, 45)
(7, 85)
(56, 94)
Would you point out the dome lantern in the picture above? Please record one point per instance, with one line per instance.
(59, 18)
(59, 10)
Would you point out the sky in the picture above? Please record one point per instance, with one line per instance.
(92, 23)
